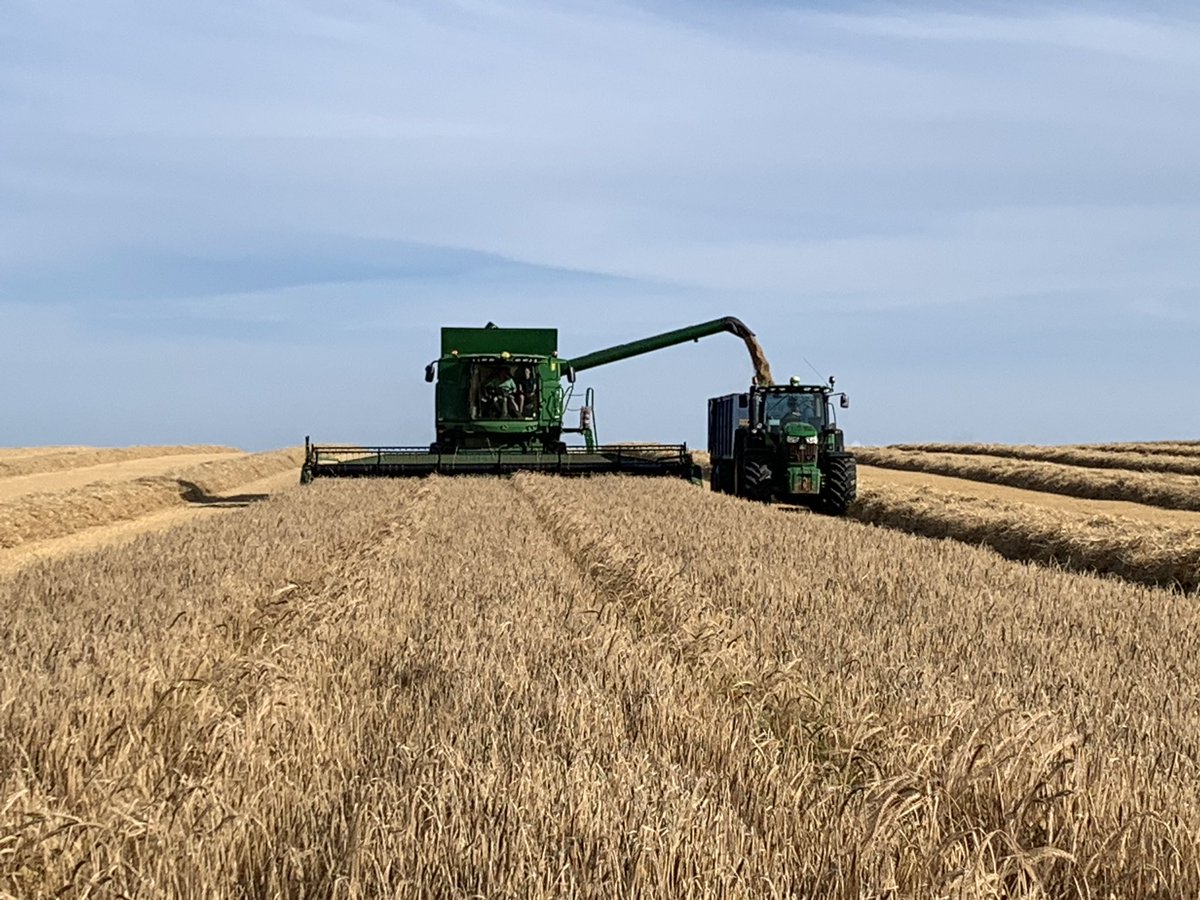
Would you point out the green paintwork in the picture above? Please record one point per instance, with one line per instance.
(802, 478)
(500, 403)
(363, 462)
(495, 341)
(660, 342)
(469, 355)
(764, 434)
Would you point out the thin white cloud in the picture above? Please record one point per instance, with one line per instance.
(1130, 37)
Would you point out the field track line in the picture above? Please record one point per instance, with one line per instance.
(92, 539)
(7, 454)
(124, 470)
(1179, 518)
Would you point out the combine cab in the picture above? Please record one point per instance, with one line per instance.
(500, 400)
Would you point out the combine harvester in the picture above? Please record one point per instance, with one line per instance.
(500, 405)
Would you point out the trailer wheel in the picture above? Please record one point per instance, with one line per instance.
(840, 485)
(756, 481)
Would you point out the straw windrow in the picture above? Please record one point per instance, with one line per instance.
(41, 516)
(1168, 490)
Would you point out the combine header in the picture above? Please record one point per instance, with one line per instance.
(500, 403)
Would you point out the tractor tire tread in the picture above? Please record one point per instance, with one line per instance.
(841, 485)
(757, 481)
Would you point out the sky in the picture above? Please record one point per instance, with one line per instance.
(245, 221)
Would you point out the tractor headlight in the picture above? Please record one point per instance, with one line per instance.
(793, 439)
(811, 439)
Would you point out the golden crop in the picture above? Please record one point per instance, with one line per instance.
(1128, 457)
(55, 459)
(1181, 448)
(1135, 549)
(597, 687)
(1168, 490)
(56, 513)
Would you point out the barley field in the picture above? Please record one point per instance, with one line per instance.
(605, 687)
(1119, 509)
(30, 461)
(1130, 457)
(1150, 552)
(1180, 448)
(1166, 489)
(56, 508)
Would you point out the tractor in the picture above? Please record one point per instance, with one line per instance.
(782, 443)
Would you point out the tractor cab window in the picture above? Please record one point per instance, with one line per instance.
(784, 409)
(509, 390)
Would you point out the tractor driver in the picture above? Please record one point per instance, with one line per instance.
(799, 410)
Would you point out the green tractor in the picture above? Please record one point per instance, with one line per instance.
(782, 442)
(501, 399)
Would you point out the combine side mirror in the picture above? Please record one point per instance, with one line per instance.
(429, 370)
(844, 403)
(570, 373)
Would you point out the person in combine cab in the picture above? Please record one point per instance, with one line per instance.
(501, 394)
(526, 392)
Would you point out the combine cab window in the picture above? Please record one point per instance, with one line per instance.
(505, 391)
(784, 409)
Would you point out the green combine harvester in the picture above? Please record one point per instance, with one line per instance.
(500, 402)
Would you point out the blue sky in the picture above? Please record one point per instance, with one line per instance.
(245, 221)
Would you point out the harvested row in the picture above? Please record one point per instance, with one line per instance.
(1167, 490)
(16, 452)
(30, 462)
(48, 515)
(1135, 550)
(1169, 448)
(1131, 460)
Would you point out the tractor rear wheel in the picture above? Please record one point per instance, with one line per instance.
(756, 481)
(840, 485)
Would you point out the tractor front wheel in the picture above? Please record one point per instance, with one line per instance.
(840, 485)
(756, 481)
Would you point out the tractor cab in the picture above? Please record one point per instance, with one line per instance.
(781, 408)
(797, 412)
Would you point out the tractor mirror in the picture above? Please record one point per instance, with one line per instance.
(844, 403)
(570, 373)
(429, 373)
